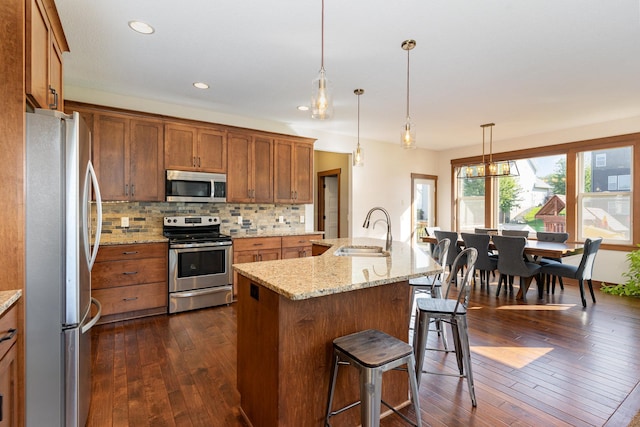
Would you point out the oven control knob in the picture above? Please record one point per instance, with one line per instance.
(175, 220)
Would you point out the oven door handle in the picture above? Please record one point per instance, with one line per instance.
(190, 247)
(200, 292)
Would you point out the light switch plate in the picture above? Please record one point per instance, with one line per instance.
(239, 220)
(301, 219)
(281, 219)
(124, 222)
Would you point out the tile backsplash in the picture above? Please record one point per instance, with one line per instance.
(147, 217)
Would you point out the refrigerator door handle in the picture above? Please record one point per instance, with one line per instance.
(95, 319)
(96, 188)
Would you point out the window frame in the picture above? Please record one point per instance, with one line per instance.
(571, 150)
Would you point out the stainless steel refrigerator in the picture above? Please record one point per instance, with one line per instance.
(59, 256)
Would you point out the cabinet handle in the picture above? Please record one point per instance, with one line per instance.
(248, 192)
(194, 161)
(260, 256)
(126, 189)
(255, 258)
(133, 190)
(129, 252)
(53, 106)
(198, 161)
(295, 195)
(128, 273)
(130, 299)
(11, 333)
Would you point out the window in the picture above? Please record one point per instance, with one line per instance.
(605, 194)
(585, 188)
(535, 200)
(471, 203)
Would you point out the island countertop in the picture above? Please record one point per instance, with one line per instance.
(326, 274)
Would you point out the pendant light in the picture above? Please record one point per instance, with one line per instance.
(321, 94)
(502, 168)
(408, 134)
(358, 154)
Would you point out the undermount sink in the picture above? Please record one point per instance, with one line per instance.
(364, 251)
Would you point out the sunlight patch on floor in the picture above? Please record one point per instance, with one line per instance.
(547, 307)
(516, 357)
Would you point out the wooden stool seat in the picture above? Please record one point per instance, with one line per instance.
(372, 352)
(372, 348)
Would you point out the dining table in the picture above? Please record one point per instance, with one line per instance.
(534, 250)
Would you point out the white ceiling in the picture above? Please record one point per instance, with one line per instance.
(529, 66)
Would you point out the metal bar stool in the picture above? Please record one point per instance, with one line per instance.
(454, 312)
(373, 352)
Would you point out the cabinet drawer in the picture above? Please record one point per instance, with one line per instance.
(131, 298)
(124, 273)
(138, 251)
(8, 329)
(257, 243)
(295, 241)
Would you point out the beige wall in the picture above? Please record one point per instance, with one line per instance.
(385, 179)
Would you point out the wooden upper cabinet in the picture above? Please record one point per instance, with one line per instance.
(128, 157)
(293, 172)
(195, 148)
(250, 168)
(146, 171)
(44, 43)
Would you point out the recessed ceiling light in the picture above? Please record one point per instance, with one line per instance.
(141, 27)
(303, 108)
(201, 85)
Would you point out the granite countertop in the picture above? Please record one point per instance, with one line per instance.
(239, 235)
(131, 238)
(7, 298)
(310, 277)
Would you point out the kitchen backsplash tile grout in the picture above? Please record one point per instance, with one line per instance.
(147, 217)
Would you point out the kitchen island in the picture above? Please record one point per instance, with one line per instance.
(289, 312)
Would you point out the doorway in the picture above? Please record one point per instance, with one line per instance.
(423, 204)
(329, 203)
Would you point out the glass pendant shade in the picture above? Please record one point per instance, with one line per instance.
(408, 135)
(358, 156)
(321, 97)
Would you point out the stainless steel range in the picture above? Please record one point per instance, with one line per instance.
(200, 259)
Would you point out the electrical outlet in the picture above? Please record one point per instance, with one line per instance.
(239, 220)
(301, 219)
(124, 222)
(281, 219)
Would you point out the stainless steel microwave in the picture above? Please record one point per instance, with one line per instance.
(182, 186)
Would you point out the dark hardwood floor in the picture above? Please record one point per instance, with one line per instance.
(553, 364)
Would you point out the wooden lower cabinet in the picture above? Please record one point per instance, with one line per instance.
(255, 249)
(130, 280)
(8, 368)
(298, 246)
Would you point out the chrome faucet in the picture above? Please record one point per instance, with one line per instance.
(388, 221)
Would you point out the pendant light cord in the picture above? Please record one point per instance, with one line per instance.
(322, 41)
(407, 83)
(358, 119)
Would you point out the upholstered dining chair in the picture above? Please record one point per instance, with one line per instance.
(582, 271)
(515, 233)
(511, 262)
(454, 249)
(558, 237)
(485, 264)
